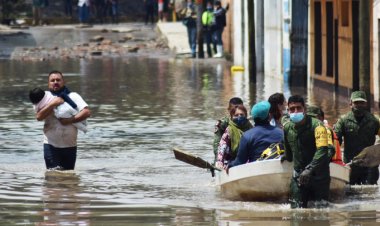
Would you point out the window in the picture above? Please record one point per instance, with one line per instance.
(345, 13)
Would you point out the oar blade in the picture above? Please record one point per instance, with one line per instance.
(191, 159)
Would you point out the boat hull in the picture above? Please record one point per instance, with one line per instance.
(270, 181)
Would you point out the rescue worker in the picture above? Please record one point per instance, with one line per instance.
(335, 153)
(306, 145)
(358, 129)
(222, 124)
(256, 140)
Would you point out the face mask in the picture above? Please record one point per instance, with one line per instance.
(209, 8)
(358, 111)
(296, 117)
(189, 4)
(240, 120)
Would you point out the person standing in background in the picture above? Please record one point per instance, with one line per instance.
(37, 11)
(220, 23)
(112, 10)
(68, 8)
(83, 8)
(149, 11)
(189, 19)
(208, 26)
(160, 10)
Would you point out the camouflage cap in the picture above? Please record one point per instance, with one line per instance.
(313, 111)
(358, 96)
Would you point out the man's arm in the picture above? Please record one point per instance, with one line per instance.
(82, 115)
(48, 109)
(84, 111)
(288, 150)
(321, 156)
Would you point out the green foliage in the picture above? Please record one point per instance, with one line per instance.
(12, 9)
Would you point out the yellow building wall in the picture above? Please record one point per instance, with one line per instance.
(345, 47)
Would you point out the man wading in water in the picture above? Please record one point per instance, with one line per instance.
(60, 135)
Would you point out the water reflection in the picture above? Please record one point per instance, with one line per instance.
(62, 203)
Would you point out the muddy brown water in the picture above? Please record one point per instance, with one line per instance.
(126, 173)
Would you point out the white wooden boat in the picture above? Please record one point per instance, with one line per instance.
(269, 180)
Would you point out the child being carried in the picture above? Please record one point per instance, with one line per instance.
(41, 98)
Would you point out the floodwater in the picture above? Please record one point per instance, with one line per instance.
(126, 173)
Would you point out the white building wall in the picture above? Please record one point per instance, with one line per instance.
(241, 51)
(375, 50)
(273, 38)
(237, 33)
(259, 32)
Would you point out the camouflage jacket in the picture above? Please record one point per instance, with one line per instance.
(307, 146)
(357, 134)
(220, 126)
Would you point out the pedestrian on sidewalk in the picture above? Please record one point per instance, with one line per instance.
(160, 10)
(68, 8)
(149, 11)
(220, 23)
(38, 6)
(189, 16)
(112, 6)
(100, 6)
(208, 27)
(83, 8)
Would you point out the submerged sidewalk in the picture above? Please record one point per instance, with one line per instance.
(176, 36)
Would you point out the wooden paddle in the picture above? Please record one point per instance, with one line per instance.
(194, 160)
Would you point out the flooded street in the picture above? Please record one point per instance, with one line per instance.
(126, 173)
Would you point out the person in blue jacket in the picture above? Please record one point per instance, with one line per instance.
(256, 140)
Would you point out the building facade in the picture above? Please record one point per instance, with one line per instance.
(334, 45)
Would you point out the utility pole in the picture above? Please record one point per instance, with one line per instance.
(364, 49)
(251, 41)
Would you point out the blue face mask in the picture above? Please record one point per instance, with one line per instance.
(296, 117)
(209, 8)
(240, 120)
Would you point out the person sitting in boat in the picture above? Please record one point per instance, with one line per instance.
(229, 142)
(222, 124)
(335, 153)
(256, 140)
(277, 109)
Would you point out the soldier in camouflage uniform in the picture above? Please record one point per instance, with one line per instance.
(306, 144)
(358, 128)
(222, 124)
